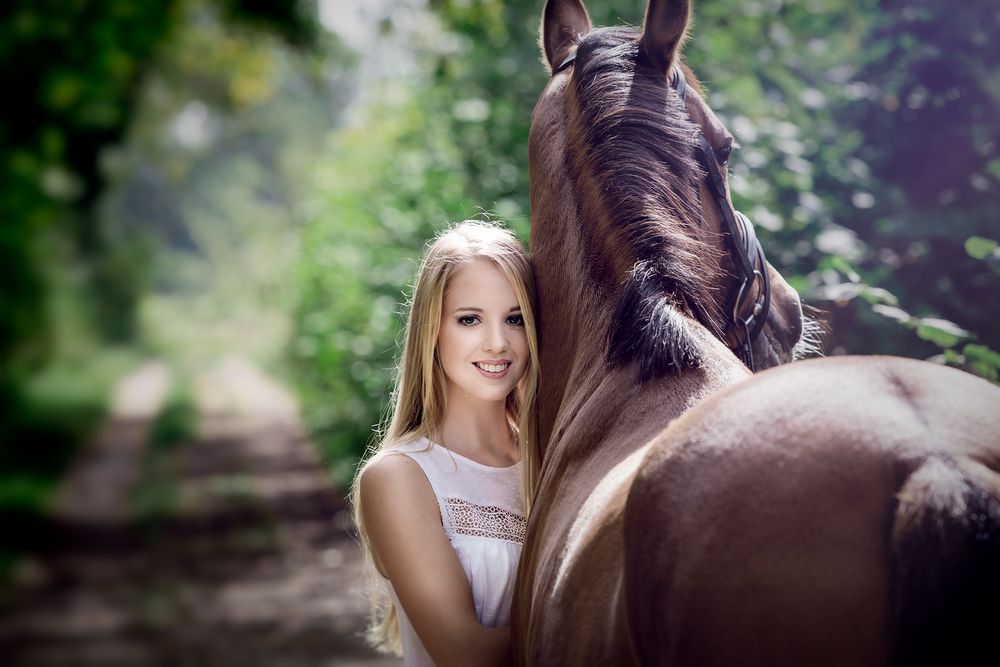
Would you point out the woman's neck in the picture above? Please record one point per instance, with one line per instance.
(478, 430)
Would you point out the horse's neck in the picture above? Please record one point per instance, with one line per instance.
(605, 422)
(569, 315)
(606, 407)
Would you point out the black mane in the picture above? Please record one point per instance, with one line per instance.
(638, 149)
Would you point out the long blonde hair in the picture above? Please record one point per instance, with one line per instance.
(418, 401)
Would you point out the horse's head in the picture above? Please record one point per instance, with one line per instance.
(629, 179)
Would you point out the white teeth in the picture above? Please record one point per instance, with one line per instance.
(493, 368)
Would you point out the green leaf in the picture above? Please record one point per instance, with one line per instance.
(876, 295)
(953, 358)
(893, 313)
(980, 247)
(841, 264)
(940, 332)
(982, 353)
(983, 360)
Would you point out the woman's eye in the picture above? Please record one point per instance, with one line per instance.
(515, 320)
(468, 320)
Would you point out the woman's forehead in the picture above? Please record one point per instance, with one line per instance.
(479, 282)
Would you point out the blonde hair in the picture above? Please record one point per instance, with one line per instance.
(418, 401)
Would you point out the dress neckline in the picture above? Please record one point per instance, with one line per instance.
(477, 464)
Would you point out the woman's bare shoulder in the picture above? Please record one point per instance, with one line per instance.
(399, 509)
(394, 481)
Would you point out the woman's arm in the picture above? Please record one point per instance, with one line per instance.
(403, 524)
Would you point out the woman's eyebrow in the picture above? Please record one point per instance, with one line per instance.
(479, 310)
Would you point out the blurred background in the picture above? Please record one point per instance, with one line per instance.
(210, 216)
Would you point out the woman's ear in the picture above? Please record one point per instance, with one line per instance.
(664, 31)
(564, 22)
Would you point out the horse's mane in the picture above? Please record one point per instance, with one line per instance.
(637, 146)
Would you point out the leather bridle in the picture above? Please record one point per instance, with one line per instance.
(745, 317)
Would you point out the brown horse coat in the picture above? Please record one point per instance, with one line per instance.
(838, 511)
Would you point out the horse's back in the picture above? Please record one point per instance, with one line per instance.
(836, 511)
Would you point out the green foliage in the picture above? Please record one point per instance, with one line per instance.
(177, 422)
(215, 177)
(72, 280)
(979, 247)
(983, 361)
(928, 121)
(75, 68)
(291, 19)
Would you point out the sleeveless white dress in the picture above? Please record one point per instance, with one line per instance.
(483, 517)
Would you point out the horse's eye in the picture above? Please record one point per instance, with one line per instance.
(723, 153)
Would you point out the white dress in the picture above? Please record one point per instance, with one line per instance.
(483, 517)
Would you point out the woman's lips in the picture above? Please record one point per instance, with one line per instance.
(493, 374)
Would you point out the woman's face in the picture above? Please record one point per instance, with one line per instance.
(482, 345)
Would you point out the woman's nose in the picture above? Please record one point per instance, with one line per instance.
(496, 340)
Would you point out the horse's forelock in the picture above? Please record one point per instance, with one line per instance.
(636, 148)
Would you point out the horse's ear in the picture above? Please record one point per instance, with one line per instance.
(665, 30)
(564, 22)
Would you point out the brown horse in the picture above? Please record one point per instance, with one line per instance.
(839, 511)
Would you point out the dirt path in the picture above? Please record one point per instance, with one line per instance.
(252, 564)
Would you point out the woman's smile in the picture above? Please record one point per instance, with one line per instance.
(493, 369)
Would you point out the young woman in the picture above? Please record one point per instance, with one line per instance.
(441, 504)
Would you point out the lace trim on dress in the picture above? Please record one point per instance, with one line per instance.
(484, 520)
